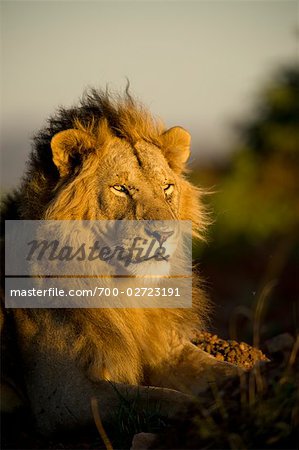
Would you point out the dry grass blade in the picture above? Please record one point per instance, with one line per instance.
(294, 353)
(99, 425)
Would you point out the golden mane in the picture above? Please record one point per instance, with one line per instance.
(125, 116)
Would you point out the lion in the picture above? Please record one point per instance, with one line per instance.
(109, 159)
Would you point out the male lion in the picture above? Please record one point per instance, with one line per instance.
(108, 159)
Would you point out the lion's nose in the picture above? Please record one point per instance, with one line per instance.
(159, 235)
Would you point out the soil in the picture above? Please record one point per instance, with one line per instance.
(238, 353)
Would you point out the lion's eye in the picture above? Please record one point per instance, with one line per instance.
(168, 189)
(119, 189)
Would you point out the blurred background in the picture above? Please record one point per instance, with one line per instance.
(225, 70)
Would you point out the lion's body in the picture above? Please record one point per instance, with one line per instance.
(68, 355)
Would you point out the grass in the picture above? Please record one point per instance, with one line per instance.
(134, 416)
(258, 411)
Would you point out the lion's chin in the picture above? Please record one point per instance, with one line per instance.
(148, 269)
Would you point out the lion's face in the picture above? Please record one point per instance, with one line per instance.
(118, 181)
(136, 183)
(109, 178)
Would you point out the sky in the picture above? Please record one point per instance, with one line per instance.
(198, 64)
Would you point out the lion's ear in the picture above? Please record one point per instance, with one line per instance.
(68, 146)
(176, 147)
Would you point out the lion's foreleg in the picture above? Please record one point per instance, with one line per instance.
(63, 401)
(191, 370)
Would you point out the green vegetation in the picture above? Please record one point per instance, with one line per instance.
(254, 241)
(258, 193)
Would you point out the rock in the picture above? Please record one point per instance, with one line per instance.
(143, 441)
(281, 343)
